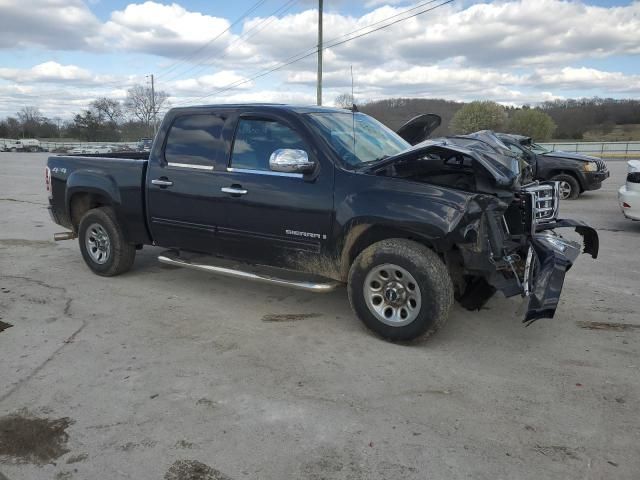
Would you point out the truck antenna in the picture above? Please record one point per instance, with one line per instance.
(354, 109)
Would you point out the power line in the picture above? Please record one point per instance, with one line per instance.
(326, 46)
(314, 48)
(265, 22)
(171, 67)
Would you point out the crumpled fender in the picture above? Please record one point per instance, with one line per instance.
(589, 234)
(554, 256)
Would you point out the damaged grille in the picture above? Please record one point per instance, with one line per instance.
(544, 202)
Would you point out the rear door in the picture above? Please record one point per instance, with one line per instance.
(182, 203)
(274, 218)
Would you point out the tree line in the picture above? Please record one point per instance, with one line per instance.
(560, 119)
(108, 119)
(105, 120)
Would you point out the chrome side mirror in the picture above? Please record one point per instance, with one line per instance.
(290, 160)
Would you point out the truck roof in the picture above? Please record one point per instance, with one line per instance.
(265, 106)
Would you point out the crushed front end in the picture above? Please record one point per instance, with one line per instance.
(515, 249)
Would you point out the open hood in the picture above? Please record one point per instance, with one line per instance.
(419, 128)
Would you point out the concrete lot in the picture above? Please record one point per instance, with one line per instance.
(162, 365)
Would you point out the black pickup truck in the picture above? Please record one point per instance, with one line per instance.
(313, 198)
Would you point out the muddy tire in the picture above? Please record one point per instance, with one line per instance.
(400, 289)
(102, 243)
(569, 186)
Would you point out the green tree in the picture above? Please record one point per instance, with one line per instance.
(479, 115)
(533, 123)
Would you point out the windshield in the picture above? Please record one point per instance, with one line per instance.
(357, 138)
(539, 148)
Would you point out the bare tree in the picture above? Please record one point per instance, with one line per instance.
(140, 103)
(29, 115)
(29, 118)
(109, 109)
(344, 100)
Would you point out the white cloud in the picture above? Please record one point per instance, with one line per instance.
(165, 30)
(512, 51)
(50, 24)
(48, 72)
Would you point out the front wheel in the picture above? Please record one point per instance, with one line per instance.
(400, 289)
(568, 186)
(102, 243)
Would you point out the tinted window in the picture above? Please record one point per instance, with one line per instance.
(257, 139)
(194, 139)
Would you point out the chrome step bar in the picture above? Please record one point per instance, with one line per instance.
(324, 286)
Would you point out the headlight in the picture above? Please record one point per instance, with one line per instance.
(590, 167)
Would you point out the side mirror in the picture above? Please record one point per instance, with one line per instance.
(290, 160)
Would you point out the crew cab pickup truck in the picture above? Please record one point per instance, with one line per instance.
(314, 198)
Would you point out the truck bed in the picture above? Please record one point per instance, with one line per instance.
(115, 179)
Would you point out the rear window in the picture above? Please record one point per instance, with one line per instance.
(194, 140)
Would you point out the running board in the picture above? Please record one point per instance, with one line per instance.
(205, 264)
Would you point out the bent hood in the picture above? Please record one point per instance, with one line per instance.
(570, 156)
(502, 168)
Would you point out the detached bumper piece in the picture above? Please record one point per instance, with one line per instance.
(553, 256)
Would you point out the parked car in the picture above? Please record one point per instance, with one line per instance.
(77, 150)
(629, 194)
(24, 145)
(90, 150)
(144, 144)
(576, 173)
(313, 198)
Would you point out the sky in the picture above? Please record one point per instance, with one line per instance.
(59, 55)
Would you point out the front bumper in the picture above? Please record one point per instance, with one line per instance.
(593, 180)
(552, 257)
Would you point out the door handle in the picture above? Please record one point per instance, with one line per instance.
(162, 182)
(234, 190)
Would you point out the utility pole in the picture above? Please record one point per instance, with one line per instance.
(319, 92)
(153, 105)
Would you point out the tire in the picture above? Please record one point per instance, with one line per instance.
(426, 306)
(102, 243)
(569, 186)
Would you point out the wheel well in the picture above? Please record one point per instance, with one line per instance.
(363, 236)
(565, 172)
(81, 203)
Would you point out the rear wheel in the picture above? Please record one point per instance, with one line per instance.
(102, 243)
(569, 188)
(400, 289)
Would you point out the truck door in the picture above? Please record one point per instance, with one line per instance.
(181, 202)
(274, 218)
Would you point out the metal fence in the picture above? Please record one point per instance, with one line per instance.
(607, 150)
(63, 146)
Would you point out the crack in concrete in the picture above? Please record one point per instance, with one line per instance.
(65, 342)
(21, 201)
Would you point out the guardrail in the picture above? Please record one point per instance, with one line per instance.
(606, 150)
(63, 146)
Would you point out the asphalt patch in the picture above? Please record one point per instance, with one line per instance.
(616, 327)
(4, 326)
(193, 470)
(29, 439)
(288, 317)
